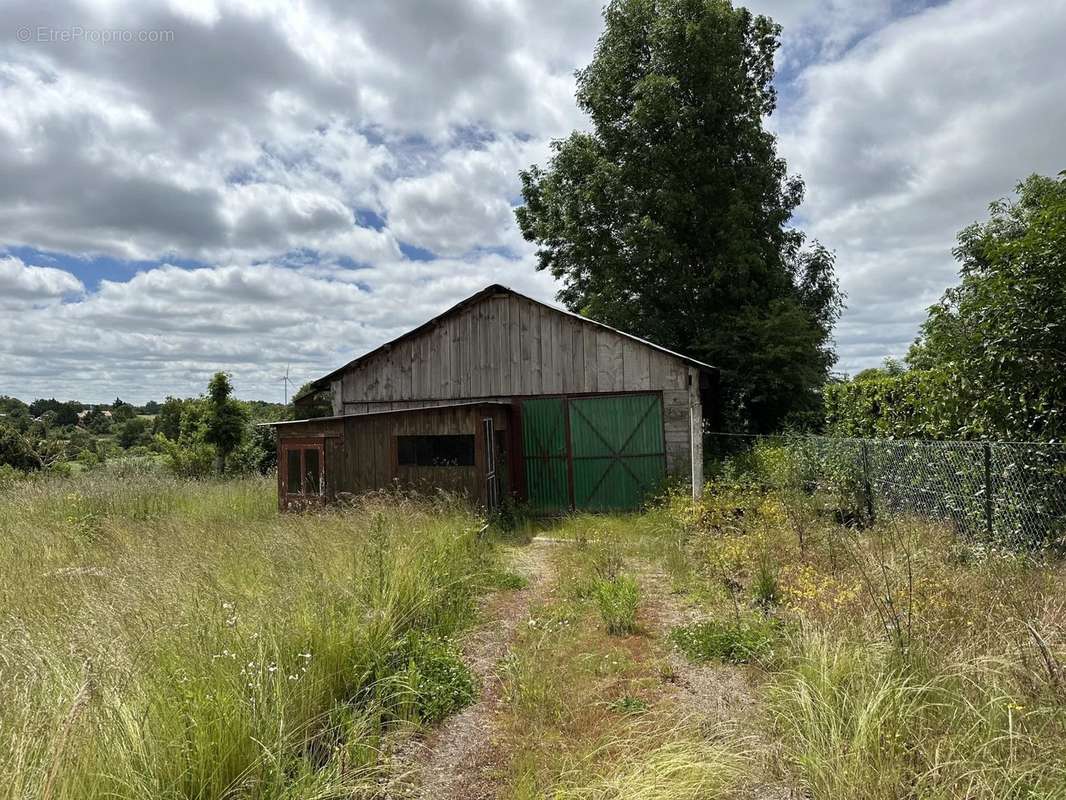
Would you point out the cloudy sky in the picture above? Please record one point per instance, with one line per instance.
(251, 186)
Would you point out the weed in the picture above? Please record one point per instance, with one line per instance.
(431, 679)
(179, 639)
(629, 705)
(765, 593)
(734, 642)
(681, 768)
(618, 599)
(506, 580)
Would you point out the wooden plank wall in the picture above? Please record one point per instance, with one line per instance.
(364, 459)
(506, 346)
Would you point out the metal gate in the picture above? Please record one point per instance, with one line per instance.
(593, 453)
(545, 454)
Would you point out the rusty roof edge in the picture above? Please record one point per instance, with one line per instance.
(335, 417)
(494, 288)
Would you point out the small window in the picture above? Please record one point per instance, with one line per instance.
(436, 451)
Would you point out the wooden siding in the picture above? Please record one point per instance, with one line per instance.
(506, 346)
(361, 452)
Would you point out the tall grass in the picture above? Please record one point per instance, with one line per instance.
(906, 663)
(858, 724)
(167, 639)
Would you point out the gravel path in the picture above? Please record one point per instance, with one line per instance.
(722, 695)
(459, 759)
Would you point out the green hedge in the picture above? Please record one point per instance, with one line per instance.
(918, 404)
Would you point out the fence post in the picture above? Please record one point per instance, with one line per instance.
(989, 529)
(867, 486)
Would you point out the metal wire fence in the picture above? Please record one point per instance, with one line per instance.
(1007, 493)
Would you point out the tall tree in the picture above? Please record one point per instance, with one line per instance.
(225, 419)
(670, 218)
(1002, 331)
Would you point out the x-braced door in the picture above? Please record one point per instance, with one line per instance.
(618, 450)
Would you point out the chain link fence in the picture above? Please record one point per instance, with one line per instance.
(1006, 493)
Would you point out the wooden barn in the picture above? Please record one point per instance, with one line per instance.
(502, 395)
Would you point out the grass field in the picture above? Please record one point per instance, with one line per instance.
(182, 640)
(170, 639)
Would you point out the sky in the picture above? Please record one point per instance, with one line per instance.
(269, 187)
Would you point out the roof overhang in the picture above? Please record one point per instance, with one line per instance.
(415, 409)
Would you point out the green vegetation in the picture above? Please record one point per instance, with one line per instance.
(669, 217)
(988, 363)
(590, 715)
(163, 638)
(431, 677)
(731, 641)
(170, 639)
(190, 437)
(618, 599)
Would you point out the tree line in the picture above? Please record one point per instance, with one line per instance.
(194, 437)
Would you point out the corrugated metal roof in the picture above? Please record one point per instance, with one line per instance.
(492, 289)
(388, 411)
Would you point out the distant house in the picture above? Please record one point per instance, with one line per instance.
(502, 395)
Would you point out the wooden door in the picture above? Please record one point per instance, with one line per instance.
(301, 473)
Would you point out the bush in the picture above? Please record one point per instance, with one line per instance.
(187, 460)
(257, 454)
(618, 599)
(765, 593)
(15, 450)
(433, 679)
(733, 642)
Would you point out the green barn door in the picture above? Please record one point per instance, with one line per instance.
(618, 450)
(544, 448)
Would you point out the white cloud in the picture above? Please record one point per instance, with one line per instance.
(465, 203)
(908, 138)
(287, 142)
(167, 329)
(23, 286)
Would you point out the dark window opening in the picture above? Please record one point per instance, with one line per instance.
(303, 470)
(311, 471)
(293, 464)
(436, 451)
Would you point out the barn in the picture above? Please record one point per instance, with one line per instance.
(504, 396)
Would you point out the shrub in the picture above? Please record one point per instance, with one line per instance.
(733, 642)
(618, 599)
(432, 677)
(764, 589)
(506, 580)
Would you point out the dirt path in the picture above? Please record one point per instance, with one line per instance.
(724, 696)
(457, 761)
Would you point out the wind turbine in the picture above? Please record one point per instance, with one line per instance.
(285, 379)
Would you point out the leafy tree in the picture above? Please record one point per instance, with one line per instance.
(40, 406)
(257, 454)
(151, 407)
(225, 419)
(16, 450)
(133, 432)
(66, 414)
(312, 404)
(1002, 330)
(669, 219)
(15, 413)
(98, 422)
(168, 418)
(891, 368)
(121, 411)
